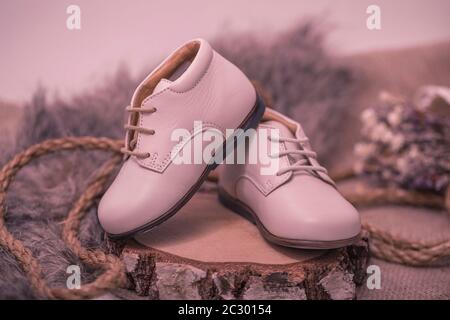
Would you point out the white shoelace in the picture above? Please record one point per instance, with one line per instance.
(130, 128)
(302, 164)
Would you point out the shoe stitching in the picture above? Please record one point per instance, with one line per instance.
(187, 90)
(167, 158)
(262, 186)
(139, 138)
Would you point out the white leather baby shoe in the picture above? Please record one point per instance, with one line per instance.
(295, 205)
(193, 84)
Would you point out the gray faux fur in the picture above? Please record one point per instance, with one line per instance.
(303, 79)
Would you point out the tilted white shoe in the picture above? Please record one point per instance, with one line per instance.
(193, 84)
(295, 205)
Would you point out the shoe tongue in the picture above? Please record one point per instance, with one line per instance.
(162, 84)
(285, 132)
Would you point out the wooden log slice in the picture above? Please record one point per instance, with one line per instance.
(207, 252)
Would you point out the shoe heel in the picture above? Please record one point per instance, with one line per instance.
(251, 123)
(255, 118)
(228, 202)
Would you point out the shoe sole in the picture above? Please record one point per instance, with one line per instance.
(237, 206)
(251, 121)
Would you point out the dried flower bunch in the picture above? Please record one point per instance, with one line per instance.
(407, 143)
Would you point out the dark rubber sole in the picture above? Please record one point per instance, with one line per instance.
(237, 206)
(250, 122)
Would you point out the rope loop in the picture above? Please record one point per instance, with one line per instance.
(114, 271)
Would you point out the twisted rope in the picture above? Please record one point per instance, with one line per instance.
(114, 275)
(383, 244)
(389, 247)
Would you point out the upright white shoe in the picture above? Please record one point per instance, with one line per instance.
(295, 204)
(193, 84)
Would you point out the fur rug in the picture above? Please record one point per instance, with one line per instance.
(304, 80)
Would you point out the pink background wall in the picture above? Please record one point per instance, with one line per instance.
(36, 46)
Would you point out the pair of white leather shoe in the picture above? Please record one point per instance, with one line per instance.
(296, 205)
